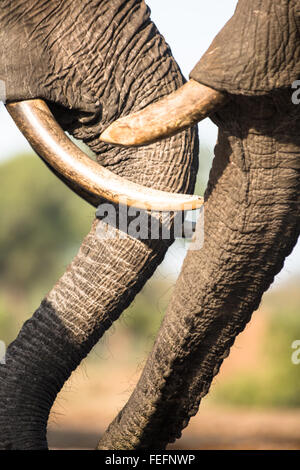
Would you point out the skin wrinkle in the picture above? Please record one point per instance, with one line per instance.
(67, 285)
(269, 56)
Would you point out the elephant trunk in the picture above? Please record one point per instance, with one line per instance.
(251, 224)
(68, 323)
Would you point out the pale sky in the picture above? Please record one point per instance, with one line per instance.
(189, 27)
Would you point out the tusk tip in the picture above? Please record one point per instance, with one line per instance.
(119, 133)
(198, 204)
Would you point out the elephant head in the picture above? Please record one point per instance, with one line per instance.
(103, 60)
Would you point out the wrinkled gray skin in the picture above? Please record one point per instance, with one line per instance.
(251, 212)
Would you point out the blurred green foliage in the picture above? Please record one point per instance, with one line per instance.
(42, 225)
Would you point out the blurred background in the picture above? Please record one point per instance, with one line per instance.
(254, 403)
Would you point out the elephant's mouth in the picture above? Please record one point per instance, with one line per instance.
(87, 178)
(190, 104)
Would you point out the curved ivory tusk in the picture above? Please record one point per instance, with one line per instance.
(182, 109)
(86, 177)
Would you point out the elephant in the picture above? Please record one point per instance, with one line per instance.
(109, 78)
(91, 61)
